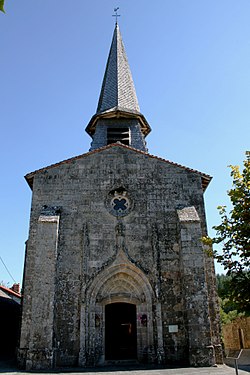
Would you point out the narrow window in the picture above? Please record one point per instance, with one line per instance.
(118, 135)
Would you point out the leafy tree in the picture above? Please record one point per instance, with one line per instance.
(228, 316)
(2, 6)
(234, 235)
(228, 309)
(223, 285)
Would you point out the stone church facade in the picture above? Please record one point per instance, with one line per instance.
(115, 269)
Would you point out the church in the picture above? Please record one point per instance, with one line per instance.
(115, 270)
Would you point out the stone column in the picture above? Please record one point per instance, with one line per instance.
(194, 288)
(36, 342)
(160, 350)
(83, 336)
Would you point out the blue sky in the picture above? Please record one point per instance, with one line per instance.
(190, 62)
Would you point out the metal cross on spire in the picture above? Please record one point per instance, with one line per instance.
(116, 15)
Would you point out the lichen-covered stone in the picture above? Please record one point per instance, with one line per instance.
(81, 257)
(114, 266)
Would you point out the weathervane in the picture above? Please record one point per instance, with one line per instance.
(116, 15)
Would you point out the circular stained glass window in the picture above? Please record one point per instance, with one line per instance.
(118, 203)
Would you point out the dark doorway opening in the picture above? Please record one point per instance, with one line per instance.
(10, 317)
(120, 331)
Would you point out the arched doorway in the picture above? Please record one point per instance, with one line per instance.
(120, 331)
(121, 284)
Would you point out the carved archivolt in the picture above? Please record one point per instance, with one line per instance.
(121, 282)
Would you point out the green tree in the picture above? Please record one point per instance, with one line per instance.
(228, 309)
(234, 235)
(2, 6)
(223, 285)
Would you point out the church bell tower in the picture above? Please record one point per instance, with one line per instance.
(118, 117)
(115, 269)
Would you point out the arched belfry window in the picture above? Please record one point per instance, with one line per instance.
(118, 135)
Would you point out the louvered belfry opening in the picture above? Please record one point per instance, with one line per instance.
(118, 135)
(118, 103)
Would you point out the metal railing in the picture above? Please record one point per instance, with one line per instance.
(235, 361)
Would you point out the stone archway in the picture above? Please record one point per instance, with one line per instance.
(122, 282)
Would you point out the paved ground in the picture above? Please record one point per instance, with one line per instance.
(9, 369)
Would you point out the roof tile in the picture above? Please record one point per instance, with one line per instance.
(205, 177)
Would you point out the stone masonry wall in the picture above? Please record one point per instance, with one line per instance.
(88, 242)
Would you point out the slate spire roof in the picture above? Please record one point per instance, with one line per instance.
(118, 87)
(118, 96)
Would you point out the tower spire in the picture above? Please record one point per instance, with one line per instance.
(118, 89)
(118, 116)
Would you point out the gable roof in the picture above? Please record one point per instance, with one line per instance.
(9, 292)
(30, 176)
